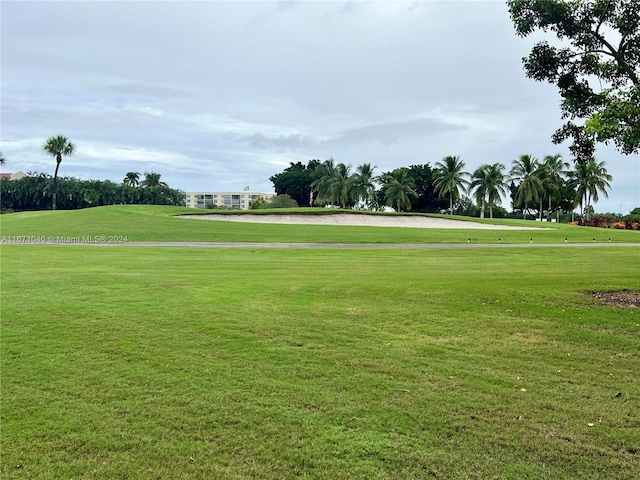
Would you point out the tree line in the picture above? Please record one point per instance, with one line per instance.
(35, 192)
(39, 191)
(535, 187)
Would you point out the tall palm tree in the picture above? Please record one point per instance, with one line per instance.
(58, 147)
(335, 184)
(478, 185)
(363, 184)
(555, 169)
(449, 178)
(488, 184)
(588, 179)
(496, 186)
(152, 179)
(2, 159)
(322, 184)
(398, 187)
(132, 179)
(525, 170)
(342, 187)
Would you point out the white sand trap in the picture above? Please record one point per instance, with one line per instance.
(363, 220)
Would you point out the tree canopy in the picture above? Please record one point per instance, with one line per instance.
(427, 200)
(295, 181)
(33, 191)
(594, 63)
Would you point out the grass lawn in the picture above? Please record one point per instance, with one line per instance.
(183, 363)
(155, 223)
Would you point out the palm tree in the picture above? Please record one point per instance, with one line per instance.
(398, 186)
(58, 147)
(588, 179)
(322, 184)
(495, 185)
(555, 168)
(335, 184)
(152, 179)
(2, 159)
(488, 183)
(342, 187)
(478, 184)
(363, 184)
(449, 178)
(525, 170)
(131, 179)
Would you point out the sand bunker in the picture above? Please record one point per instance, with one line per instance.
(358, 220)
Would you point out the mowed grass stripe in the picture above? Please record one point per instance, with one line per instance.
(139, 223)
(186, 363)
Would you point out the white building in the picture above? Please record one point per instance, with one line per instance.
(233, 200)
(13, 176)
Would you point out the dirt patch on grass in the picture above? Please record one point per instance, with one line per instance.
(621, 298)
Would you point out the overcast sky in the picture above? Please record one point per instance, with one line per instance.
(216, 96)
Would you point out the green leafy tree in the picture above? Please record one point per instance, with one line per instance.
(595, 66)
(161, 195)
(257, 204)
(279, 201)
(58, 147)
(427, 200)
(296, 180)
(450, 178)
(589, 178)
(90, 196)
(398, 189)
(466, 207)
(282, 201)
(526, 170)
(33, 192)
